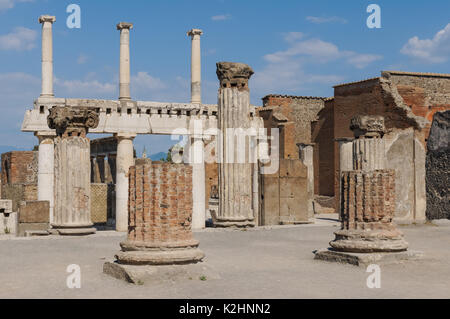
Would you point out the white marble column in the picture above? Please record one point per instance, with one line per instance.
(196, 68)
(124, 69)
(235, 169)
(124, 160)
(307, 157)
(198, 183)
(46, 168)
(72, 180)
(47, 55)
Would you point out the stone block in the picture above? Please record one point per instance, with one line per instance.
(24, 229)
(365, 259)
(34, 212)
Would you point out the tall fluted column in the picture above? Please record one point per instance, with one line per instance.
(72, 184)
(235, 169)
(198, 183)
(46, 169)
(196, 69)
(47, 55)
(124, 160)
(124, 69)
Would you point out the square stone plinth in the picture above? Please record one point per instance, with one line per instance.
(365, 259)
(150, 274)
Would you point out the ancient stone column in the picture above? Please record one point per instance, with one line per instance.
(345, 146)
(368, 195)
(124, 70)
(124, 160)
(46, 169)
(72, 214)
(235, 169)
(196, 69)
(307, 158)
(198, 183)
(160, 206)
(47, 55)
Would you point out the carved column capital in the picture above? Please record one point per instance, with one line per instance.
(232, 74)
(69, 121)
(368, 126)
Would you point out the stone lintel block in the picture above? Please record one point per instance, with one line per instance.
(34, 212)
(365, 259)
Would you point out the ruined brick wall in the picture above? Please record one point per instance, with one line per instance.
(323, 139)
(424, 94)
(160, 202)
(300, 111)
(284, 194)
(19, 176)
(438, 167)
(19, 167)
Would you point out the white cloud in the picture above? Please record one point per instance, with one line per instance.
(20, 39)
(320, 51)
(221, 17)
(144, 81)
(9, 4)
(286, 69)
(319, 20)
(435, 50)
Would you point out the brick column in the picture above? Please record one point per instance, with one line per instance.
(72, 215)
(160, 215)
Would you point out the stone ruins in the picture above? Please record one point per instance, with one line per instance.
(376, 153)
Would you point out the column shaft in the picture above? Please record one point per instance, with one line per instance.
(124, 68)
(124, 160)
(198, 184)
(196, 69)
(46, 171)
(47, 55)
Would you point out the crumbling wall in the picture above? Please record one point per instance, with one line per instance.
(19, 176)
(300, 112)
(438, 167)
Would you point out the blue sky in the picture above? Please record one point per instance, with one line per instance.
(294, 47)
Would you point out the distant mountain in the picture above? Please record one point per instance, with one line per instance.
(158, 156)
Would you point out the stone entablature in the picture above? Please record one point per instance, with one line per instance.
(138, 117)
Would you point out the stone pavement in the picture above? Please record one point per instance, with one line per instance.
(269, 262)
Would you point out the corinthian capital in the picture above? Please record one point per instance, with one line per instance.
(70, 121)
(232, 74)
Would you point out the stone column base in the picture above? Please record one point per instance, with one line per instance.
(73, 230)
(369, 241)
(365, 259)
(234, 222)
(141, 253)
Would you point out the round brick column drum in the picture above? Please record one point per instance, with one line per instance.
(367, 211)
(160, 215)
